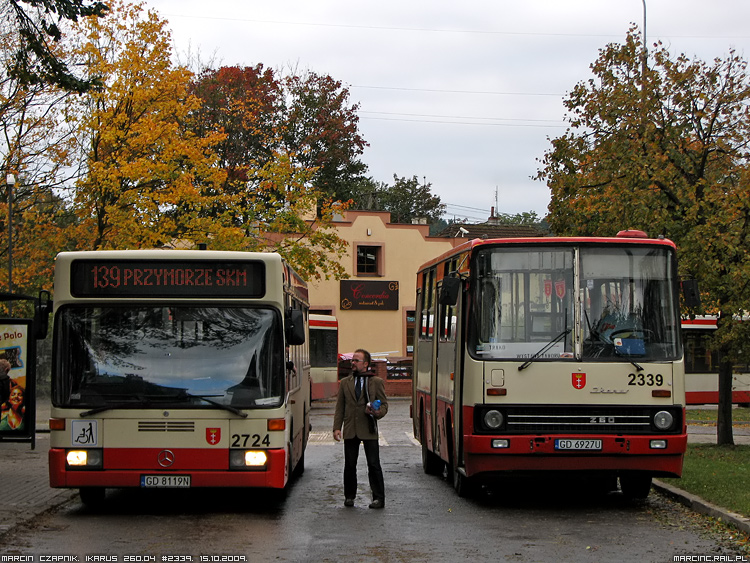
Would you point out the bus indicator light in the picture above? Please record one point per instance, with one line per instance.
(57, 424)
(276, 424)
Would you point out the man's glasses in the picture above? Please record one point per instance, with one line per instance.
(360, 361)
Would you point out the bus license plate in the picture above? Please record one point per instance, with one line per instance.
(165, 481)
(578, 444)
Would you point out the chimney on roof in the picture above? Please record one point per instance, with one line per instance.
(493, 219)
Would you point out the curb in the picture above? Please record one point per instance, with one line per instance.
(699, 505)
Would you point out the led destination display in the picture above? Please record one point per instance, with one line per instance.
(170, 278)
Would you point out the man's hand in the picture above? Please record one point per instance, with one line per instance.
(337, 435)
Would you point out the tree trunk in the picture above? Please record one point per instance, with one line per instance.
(724, 433)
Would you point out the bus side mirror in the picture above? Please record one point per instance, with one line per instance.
(42, 309)
(449, 291)
(295, 327)
(691, 294)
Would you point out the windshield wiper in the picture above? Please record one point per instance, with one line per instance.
(145, 401)
(631, 360)
(546, 347)
(215, 403)
(138, 401)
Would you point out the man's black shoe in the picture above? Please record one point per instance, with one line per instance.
(349, 502)
(377, 504)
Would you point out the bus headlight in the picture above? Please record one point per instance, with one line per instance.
(247, 459)
(663, 420)
(84, 459)
(493, 419)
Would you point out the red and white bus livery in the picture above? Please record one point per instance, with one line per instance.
(551, 354)
(702, 366)
(177, 369)
(324, 353)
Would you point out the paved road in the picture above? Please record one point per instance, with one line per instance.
(26, 494)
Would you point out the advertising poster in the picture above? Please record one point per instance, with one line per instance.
(17, 390)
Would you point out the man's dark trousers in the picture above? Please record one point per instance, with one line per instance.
(374, 471)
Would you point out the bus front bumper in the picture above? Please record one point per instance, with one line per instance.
(660, 455)
(273, 475)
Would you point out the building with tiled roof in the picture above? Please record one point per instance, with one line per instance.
(489, 229)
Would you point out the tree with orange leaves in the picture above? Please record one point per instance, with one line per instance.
(663, 147)
(150, 178)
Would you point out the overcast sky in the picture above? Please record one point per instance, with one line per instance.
(463, 94)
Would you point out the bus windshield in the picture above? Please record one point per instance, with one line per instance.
(524, 303)
(184, 356)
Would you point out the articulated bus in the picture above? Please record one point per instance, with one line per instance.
(177, 369)
(702, 366)
(551, 355)
(324, 356)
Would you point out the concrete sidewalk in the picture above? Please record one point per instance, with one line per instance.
(26, 492)
(25, 479)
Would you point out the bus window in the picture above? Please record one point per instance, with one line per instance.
(524, 299)
(628, 304)
(159, 354)
(428, 305)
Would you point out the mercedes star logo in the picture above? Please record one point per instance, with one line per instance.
(165, 458)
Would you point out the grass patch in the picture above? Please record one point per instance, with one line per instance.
(740, 415)
(717, 474)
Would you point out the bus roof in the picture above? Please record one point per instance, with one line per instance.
(624, 237)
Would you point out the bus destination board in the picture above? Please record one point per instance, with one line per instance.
(167, 278)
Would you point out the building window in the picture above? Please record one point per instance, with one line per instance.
(368, 260)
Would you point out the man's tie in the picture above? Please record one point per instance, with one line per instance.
(358, 387)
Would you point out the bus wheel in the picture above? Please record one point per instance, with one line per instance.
(300, 469)
(92, 497)
(431, 463)
(635, 486)
(464, 485)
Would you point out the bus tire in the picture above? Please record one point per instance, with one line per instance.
(463, 485)
(300, 468)
(92, 497)
(431, 462)
(635, 486)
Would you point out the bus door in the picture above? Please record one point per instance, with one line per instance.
(426, 368)
(447, 374)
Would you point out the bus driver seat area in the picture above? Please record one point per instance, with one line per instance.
(248, 390)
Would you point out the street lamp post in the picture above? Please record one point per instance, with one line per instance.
(10, 181)
(645, 47)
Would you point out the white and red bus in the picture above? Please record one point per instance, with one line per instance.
(324, 353)
(702, 366)
(551, 354)
(177, 369)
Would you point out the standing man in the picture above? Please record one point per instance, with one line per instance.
(358, 394)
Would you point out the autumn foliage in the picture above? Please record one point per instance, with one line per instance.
(236, 158)
(662, 145)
